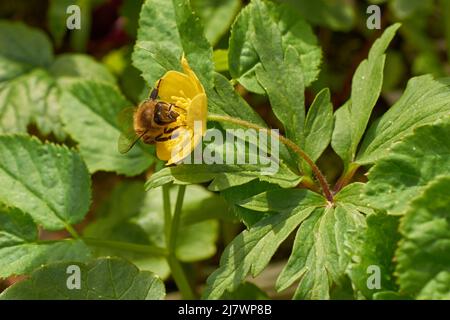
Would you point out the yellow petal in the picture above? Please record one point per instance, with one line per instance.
(176, 84)
(188, 71)
(177, 149)
(197, 111)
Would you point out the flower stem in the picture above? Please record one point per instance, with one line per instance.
(176, 218)
(134, 247)
(287, 142)
(346, 177)
(171, 231)
(167, 212)
(72, 231)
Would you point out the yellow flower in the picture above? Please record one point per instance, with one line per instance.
(187, 93)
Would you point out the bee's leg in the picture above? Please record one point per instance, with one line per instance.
(173, 114)
(167, 135)
(170, 130)
(177, 107)
(162, 138)
(154, 93)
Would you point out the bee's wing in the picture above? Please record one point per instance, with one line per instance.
(128, 136)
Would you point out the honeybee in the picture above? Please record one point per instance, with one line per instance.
(149, 122)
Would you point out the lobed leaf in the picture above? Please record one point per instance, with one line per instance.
(337, 15)
(21, 251)
(352, 119)
(423, 255)
(24, 45)
(376, 248)
(222, 176)
(167, 29)
(133, 216)
(318, 125)
(49, 182)
(321, 251)
(102, 279)
(410, 166)
(320, 254)
(217, 16)
(279, 28)
(424, 101)
(283, 82)
(31, 79)
(251, 251)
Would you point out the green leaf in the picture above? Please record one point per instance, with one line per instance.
(24, 45)
(15, 110)
(338, 15)
(281, 200)
(318, 125)
(351, 122)
(21, 50)
(134, 217)
(275, 28)
(251, 251)
(246, 291)
(389, 295)
(167, 29)
(65, 68)
(198, 241)
(236, 195)
(353, 198)
(240, 155)
(114, 222)
(423, 257)
(425, 100)
(222, 176)
(28, 92)
(376, 248)
(396, 179)
(217, 16)
(43, 93)
(102, 279)
(49, 182)
(198, 232)
(283, 82)
(90, 117)
(321, 251)
(21, 251)
(320, 254)
(74, 65)
(225, 100)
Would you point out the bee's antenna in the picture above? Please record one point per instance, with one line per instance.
(154, 93)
